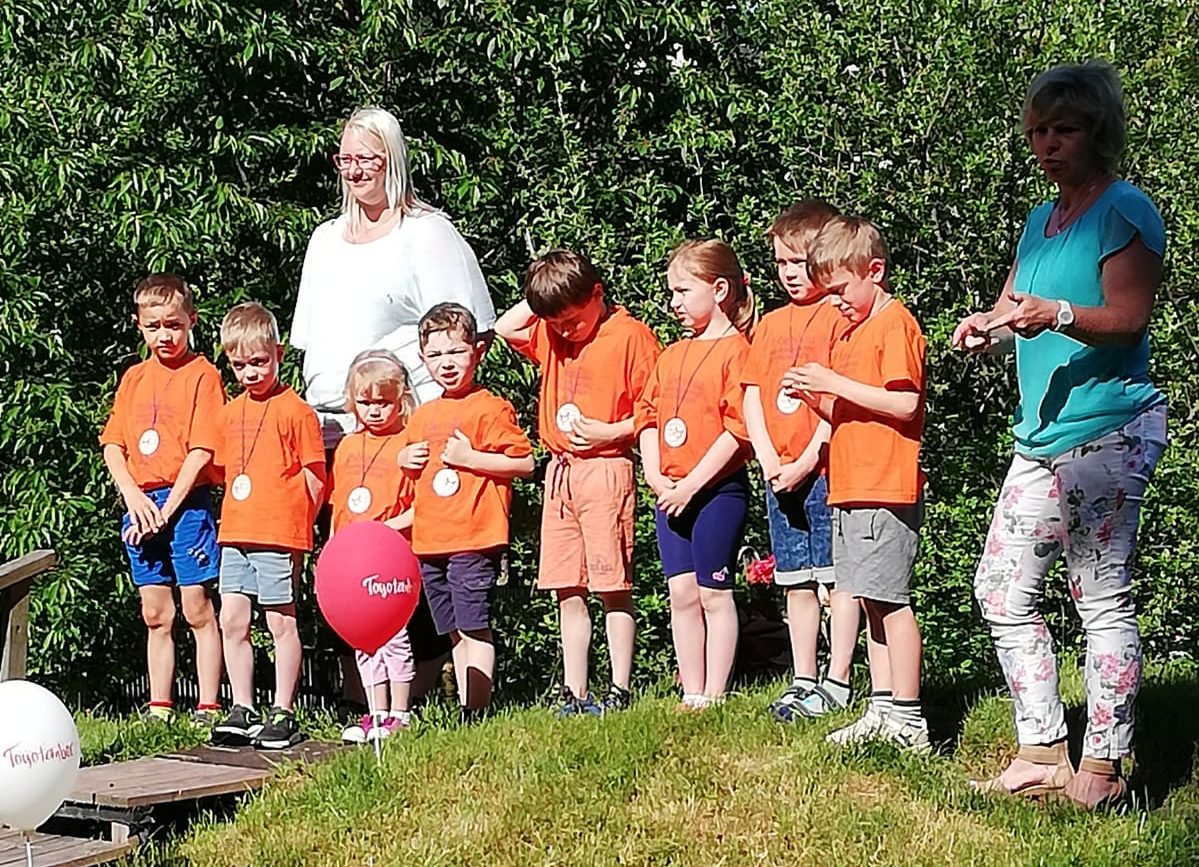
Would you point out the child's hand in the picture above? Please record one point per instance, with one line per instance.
(675, 498)
(589, 433)
(770, 469)
(790, 476)
(413, 456)
(458, 451)
(145, 519)
(812, 378)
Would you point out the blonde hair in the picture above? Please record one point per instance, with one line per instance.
(380, 370)
(401, 195)
(163, 288)
(712, 260)
(847, 242)
(249, 326)
(1088, 93)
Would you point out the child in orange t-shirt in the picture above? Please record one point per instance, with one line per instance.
(874, 396)
(595, 360)
(274, 464)
(463, 449)
(694, 449)
(158, 446)
(367, 484)
(791, 442)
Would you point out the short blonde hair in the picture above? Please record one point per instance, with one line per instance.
(713, 259)
(163, 288)
(383, 126)
(249, 326)
(1088, 93)
(380, 370)
(847, 242)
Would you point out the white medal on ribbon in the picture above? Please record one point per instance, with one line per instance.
(675, 432)
(148, 443)
(785, 403)
(240, 489)
(566, 417)
(359, 500)
(446, 482)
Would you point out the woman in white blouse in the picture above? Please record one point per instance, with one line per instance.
(371, 273)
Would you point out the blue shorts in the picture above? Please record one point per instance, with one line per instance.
(801, 533)
(705, 539)
(185, 551)
(268, 574)
(458, 588)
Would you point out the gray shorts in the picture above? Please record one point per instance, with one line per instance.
(874, 550)
(269, 575)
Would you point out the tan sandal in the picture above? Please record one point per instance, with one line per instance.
(1108, 770)
(1054, 755)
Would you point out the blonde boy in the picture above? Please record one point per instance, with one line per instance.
(790, 441)
(274, 462)
(594, 359)
(158, 446)
(874, 397)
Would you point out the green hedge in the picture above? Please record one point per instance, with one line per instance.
(194, 136)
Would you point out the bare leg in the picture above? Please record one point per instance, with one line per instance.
(158, 613)
(281, 621)
(903, 648)
(201, 617)
(575, 624)
(846, 617)
(689, 632)
(622, 632)
(236, 609)
(720, 614)
(474, 663)
(803, 624)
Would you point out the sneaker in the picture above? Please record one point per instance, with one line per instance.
(358, 732)
(205, 717)
(908, 735)
(866, 728)
(390, 726)
(781, 708)
(238, 729)
(617, 698)
(818, 702)
(279, 732)
(161, 714)
(571, 705)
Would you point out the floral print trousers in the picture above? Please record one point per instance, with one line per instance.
(1086, 502)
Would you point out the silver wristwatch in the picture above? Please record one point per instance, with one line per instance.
(1065, 316)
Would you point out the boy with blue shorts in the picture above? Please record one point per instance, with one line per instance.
(274, 462)
(791, 441)
(158, 446)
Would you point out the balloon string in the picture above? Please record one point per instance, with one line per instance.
(376, 719)
(28, 852)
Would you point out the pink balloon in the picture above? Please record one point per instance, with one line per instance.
(367, 584)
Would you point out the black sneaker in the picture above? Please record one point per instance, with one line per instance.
(617, 698)
(238, 729)
(279, 732)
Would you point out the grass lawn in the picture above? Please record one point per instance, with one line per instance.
(727, 786)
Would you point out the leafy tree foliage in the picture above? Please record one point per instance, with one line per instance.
(193, 135)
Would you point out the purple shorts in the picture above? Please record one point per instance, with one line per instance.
(458, 588)
(706, 537)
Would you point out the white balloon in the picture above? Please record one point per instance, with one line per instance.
(39, 754)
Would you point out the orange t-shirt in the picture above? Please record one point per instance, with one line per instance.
(366, 461)
(271, 442)
(167, 412)
(785, 338)
(602, 378)
(698, 381)
(876, 460)
(471, 511)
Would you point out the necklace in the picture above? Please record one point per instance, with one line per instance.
(1059, 220)
(674, 432)
(568, 413)
(360, 498)
(241, 487)
(148, 442)
(783, 402)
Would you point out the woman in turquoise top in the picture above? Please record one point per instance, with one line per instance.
(1089, 429)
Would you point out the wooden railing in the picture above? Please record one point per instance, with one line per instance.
(16, 577)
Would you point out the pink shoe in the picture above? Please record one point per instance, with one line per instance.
(390, 726)
(360, 733)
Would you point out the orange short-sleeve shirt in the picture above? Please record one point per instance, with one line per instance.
(270, 442)
(602, 377)
(872, 459)
(160, 414)
(698, 382)
(785, 338)
(456, 510)
(365, 462)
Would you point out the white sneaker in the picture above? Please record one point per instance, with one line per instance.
(907, 735)
(866, 728)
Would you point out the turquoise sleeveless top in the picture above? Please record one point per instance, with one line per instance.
(1072, 393)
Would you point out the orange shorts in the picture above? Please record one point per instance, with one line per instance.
(587, 524)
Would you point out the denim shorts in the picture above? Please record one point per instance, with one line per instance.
(801, 533)
(269, 575)
(458, 588)
(706, 537)
(184, 552)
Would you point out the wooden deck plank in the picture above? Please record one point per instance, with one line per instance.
(309, 752)
(149, 781)
(23, 568)
(51, 850)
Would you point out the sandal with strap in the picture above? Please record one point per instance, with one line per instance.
(1107, 770)
(1054, 755)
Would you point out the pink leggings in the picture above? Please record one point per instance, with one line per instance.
(391, 662)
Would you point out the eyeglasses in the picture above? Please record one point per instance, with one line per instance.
(367, 162)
